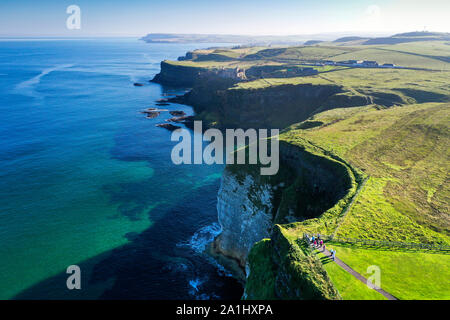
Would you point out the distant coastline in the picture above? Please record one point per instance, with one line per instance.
(366, 39)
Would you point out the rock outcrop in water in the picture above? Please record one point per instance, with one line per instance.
(168, 126)
(177, 113)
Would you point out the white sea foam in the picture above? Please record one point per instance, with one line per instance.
(202, 238)
(27, 87)
(197, 294)
(195, 289)
(134, 75)
(195, 284)
(221, 271)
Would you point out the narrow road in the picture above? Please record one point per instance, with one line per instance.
(357, 275)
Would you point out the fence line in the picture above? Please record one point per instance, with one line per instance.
(380, 243)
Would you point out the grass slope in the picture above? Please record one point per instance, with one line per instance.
(427, 54)
(404, 151)
(396, 56)
(406, 275)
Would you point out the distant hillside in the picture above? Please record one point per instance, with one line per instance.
(312, 42)
(394, 39)
(221, 38)
(410, 37)
(348, 39)
(420, 34)
(291, 40)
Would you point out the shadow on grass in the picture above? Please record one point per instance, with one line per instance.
(422, 96)
(325, 260)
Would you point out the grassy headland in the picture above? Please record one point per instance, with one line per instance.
(383, 131)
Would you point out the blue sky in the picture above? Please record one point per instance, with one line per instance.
(266, 17)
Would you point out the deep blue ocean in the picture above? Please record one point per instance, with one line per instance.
(87, 180)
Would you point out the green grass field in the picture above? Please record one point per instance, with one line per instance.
(396, 56)
(427, 54)
(406, 275)
(348, 286)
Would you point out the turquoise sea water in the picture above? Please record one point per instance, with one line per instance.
(86, 179)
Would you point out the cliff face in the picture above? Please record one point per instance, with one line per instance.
(249, 208)
(244, 215)
(189, 76)
(272, 107)
(214, 98)
(176, 75)
(249, 204)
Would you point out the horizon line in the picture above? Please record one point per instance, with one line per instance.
(115, 35)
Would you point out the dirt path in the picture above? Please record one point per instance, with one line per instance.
(357, 275)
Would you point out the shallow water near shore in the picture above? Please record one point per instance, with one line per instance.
(87, 179)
